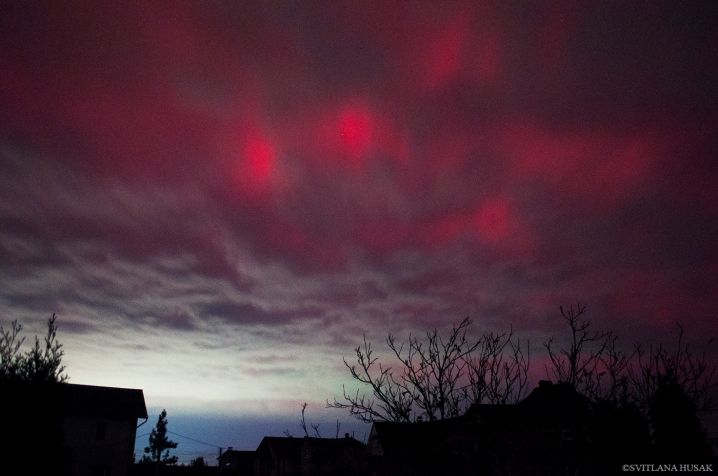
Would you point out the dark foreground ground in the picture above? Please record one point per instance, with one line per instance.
(149, 470)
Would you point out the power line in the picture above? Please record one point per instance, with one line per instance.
(203, 442)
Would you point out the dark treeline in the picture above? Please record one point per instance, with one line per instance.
(670, 388)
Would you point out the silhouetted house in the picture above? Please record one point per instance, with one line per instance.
(237, 463)
(555, 431)
(71, 429)
(491, 428)
(422, 448)
(549, 433)
(280, 456)
(333, 456)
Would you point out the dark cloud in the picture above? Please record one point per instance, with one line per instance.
(250, 314)
(77, 327)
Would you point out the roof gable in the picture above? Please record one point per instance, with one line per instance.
(80, 400)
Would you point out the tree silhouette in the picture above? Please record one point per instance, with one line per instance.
(42, 363)
(669, 387)
(160, 445)
(578, 365)
(198, 466)
(314, 426)
(437, 378)
(595, 365)
(677, 435)
(34, 405)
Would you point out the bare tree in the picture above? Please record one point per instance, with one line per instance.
(595, 365)
(394, 404)
(303, 423)
(437, 378)
(495, 378)
(691, 371)
(578, 365)
(612, 380)
(314, 426)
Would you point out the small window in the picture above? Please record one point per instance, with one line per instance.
(566, 435)
(101, 431)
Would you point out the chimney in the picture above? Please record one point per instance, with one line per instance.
(545, 383)
(346, 435)
(230, 448)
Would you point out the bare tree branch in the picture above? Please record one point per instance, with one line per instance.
(577, 365)
(438, 377)
(682, 366)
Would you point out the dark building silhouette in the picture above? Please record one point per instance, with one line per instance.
(67, 429)
(237, 463)
(493, 436)
(554, 431)
(549, 433)
(280, 456)
(425, 448)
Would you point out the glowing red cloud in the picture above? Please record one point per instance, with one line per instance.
(444, 55)
(259, 154)
(347, 134)
(460, 41)
(355, 130)
(251, 157)
(604, 166)
(493, 221)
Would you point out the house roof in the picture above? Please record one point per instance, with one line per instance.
(548, 401)
(79, 400)
(104, 401)
(553, 402)
(333, 444)
(290, 448)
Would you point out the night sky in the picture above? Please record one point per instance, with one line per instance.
(219, 198)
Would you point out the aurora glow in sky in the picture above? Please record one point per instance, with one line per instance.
(219, 198)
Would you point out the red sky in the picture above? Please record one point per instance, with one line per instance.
(252, 186)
